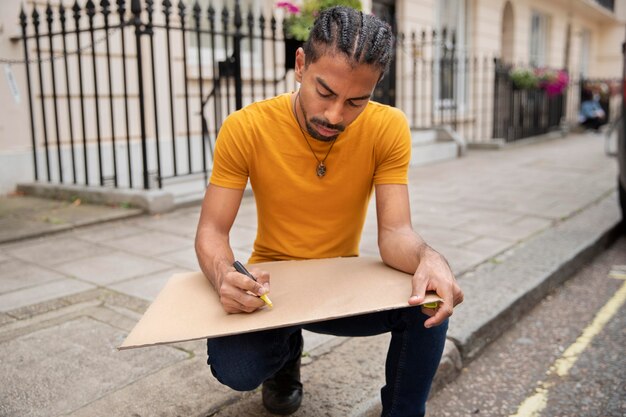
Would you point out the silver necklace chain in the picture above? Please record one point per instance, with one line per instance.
(321, 167)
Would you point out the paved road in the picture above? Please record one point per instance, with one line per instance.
(519, 371)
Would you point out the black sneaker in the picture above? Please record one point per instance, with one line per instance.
(282, 393)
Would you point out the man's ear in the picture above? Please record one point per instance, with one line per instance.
(299, 67)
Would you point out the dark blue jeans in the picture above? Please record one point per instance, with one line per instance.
(244, 361)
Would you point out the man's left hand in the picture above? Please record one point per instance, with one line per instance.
(434, 274)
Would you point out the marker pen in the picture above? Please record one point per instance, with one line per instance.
(242, 270)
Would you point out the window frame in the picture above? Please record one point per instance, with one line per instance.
(461, 76)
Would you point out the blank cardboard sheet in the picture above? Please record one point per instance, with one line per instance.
(188, 308)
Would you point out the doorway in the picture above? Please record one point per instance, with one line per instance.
(508, 30)
(385, 91)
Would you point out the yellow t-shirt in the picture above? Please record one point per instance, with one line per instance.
(301, 216)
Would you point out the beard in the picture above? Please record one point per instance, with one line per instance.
(319, 121)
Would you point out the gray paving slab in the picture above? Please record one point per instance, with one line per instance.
(40, 293)
(16, 274)
(242, 236)
(460, 259)
(439, 235)
(56, 250)
(247, 218)
(108, 231)
(513, 231)
(179, 224)
(111, 267)
(59, 369)
(147, 287)
(150, 243)
(187, 389)
(184, 258)
(488, 246)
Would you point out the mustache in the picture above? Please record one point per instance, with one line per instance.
(324, 123)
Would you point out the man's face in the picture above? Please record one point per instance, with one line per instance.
(332, 93)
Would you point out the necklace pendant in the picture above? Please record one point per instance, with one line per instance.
(321, 170)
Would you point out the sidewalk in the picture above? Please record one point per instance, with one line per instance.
(513, 224)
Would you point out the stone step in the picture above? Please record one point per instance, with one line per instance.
(434, 145)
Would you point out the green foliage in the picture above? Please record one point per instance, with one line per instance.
(553, 81)
(524, 78)
(299, 20)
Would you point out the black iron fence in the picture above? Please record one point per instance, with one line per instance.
(134, 94)
(523, 112)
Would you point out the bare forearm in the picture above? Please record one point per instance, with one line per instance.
(215, 257)
(402, 250)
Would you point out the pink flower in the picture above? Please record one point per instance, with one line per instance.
(554, 82)
(288, 7)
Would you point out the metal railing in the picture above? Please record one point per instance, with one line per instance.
(135, 97)
(521, 113)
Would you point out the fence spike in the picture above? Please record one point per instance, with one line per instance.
(91, 8)
(238, 20)
(225, 15)
(150, 8)
(197, 10)
(106, 7)
(23, 16)
(121, 8)
(76, 12)
(35, 17)
(167, 6)
(262, 23)
(182, 11)
(49, 14)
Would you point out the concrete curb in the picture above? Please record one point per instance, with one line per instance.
(497, 294)
(150, 201)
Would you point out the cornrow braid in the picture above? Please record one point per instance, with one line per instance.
(362, 38)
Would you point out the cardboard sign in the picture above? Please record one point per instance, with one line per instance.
(188, 307)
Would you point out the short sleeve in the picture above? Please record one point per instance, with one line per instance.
(231, 157)
(393, 149)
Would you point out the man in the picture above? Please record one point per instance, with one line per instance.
(592, 114)
(313, 158)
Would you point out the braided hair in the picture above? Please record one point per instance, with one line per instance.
(362, 38)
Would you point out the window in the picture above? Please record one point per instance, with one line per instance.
(539, 39)
(450, 77)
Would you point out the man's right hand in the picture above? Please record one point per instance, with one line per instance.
(240, 294)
